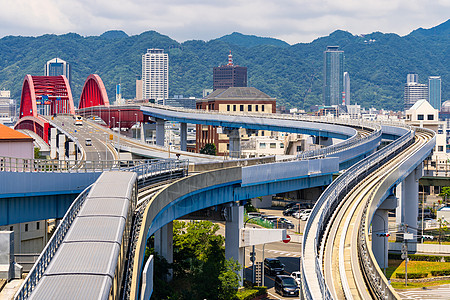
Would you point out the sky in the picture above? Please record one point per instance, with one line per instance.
(293, 21)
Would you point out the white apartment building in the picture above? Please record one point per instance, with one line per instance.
(155, 74)
(414, 91)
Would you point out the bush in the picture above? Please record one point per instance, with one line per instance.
(440, 273)
(419, 257)
(411, 275)
(251, 293)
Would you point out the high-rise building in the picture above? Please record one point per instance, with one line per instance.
(229, 75)
(57, 67)
(138, 87)
(414, 91)
(346, 95)
(155, 74)
(434, 91)
(333, 74)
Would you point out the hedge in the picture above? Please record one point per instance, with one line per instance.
(440, 273)
(411, 275)
(251, 293)
(419, 257)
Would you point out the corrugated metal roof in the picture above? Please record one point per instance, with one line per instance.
(85, 258)
(73, 287)
(96, 229)
(105, 207)
(113, 184)
(7, 133)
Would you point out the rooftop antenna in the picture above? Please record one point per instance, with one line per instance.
(230, 59)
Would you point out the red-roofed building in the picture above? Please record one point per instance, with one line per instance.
(15, 144)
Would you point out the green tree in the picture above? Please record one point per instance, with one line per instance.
(209, 149)
(445, 192)
(229, 280)
(37, 153)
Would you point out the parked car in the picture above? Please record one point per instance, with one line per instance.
(291, 204)
(297, 275)
(253, 214)
(286, 286)
(305, 214)
(290, 211)
(289, 224)
(273, 266)
(297, 214)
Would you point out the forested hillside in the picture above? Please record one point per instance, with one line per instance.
(377, 63)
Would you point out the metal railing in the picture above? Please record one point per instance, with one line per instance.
(50, 249)
(329, 200)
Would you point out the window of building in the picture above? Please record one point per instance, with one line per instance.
(37, 225)
(241, 107)
(256, 107)
(420, 117)
(11, 228)
(262, 145)
(228, 107)
(281, 145)
(299, 148)
(262, 132)
(273, 145)
(249, 107)
(26, 227)
(440, 148)
(234, 107)
(262, 107)
(430, 117)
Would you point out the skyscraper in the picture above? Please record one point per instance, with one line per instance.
(414, 91)
(347, 88)
(434, 91)
(229, 75)
(155, 74)
(333, 74)
(57, 67)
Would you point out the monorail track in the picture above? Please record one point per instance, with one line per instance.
(339, 251)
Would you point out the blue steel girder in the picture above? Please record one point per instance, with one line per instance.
(252, 122)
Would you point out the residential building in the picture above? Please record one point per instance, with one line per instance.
(346, 95)
(414, 91)
(7, 108)
(57, 67)
(229, 75)
(233, 99)
(139, 88)
(333, 74)
(434, 91)
(155, 74)
(15, 144)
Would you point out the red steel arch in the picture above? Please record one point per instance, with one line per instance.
(94, 93)
(55, 90)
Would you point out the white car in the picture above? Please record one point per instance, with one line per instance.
(297, 214)
(304, 215)
(297, 276)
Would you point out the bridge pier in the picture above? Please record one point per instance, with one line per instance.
(408, 193)
(53, 134)
(183, 136)
(160, 132)
(164, 243)
(233, 225)
(62, 147)
(234, 142)
(380, 224)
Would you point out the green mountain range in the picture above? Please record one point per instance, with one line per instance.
(377, 63)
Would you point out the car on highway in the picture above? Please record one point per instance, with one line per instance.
(273, 266)
(88, 142)
(78, 120)
(286, 286)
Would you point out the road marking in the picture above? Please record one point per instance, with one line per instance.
(272, 295)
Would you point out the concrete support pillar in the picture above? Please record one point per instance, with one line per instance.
(61, 147)
(142, 135)
(408, 193)
(160, 134)
(8, 268)
(380, 244)
(53, 134)
(234, 141)
(262, 202)
(235, 221)
(72, 153)
(183, 136)
(164, 243)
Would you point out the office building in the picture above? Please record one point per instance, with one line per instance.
(414, 91)
(333, 74)
(229, 75)
(57, 67)
(138, 87)
(346, 95)
(155, 74)
(7, 108)
(233, 99)
(434, 91)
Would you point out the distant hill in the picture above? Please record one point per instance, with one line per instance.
(248, 41)
(377, 63)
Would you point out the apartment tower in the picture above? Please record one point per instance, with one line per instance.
(333, 74)
(155, 74)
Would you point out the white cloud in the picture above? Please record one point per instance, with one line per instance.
(291, 20)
